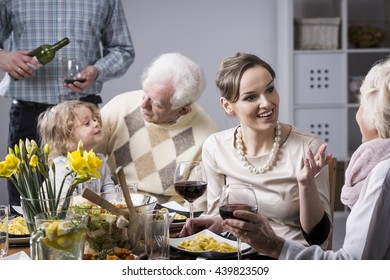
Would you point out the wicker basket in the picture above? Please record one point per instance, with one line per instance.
(317, 33)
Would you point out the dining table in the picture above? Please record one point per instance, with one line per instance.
(174, 253)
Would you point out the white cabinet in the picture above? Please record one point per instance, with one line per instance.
(319, 85)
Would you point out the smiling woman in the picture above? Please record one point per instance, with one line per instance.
(267, 154)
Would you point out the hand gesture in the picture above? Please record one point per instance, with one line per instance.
(313, 164)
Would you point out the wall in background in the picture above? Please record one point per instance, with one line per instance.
(205, 31)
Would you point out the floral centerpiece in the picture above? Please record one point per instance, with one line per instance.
(34, 177)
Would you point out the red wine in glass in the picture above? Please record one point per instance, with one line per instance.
(237, 196)
(190, 181)
(190, 190)
(73, 80)
(226, 211)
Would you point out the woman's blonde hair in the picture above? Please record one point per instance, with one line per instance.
(375, 98)
(56, 126)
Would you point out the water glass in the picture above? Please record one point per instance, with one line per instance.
(93, 184)
(156, 225)
(3, 230)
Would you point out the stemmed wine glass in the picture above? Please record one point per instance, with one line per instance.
(237, 196)
(190, 181)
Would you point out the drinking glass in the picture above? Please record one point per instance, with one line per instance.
(190, 181)
(93, 184)
(237, 196)
(156, 230)
(71, 69)
(3, 230)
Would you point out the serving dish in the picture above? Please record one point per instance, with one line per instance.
(174, 242)
(140, 201)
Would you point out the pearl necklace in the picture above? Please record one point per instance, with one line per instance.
(271, 158)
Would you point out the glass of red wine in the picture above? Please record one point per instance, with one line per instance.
(71, 70)
(237, 196)
(190, 181)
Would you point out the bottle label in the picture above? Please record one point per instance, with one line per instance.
(33, 67)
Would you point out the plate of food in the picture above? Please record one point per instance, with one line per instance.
(181, 213)
(208, 245)
(17, 228)
(17, 231)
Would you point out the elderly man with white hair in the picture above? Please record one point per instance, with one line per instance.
(148, 131)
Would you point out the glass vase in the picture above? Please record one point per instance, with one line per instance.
(34, 206)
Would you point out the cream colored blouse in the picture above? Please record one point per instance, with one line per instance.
(276, 190)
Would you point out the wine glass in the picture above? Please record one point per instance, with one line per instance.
(71, 69)
(237, 196)
(190, 181)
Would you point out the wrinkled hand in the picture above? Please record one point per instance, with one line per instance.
(15, 63)
(192, 226)
(89, 73)
(313, 164)
(256, 231)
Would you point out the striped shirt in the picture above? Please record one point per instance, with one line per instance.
(97, 31)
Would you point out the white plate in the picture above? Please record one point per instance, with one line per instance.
(17, 256)
(174, 242)
(18, 209)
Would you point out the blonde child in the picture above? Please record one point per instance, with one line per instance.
(62, 127)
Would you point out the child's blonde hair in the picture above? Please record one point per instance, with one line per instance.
(56, 126)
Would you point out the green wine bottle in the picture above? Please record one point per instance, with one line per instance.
(45, 53)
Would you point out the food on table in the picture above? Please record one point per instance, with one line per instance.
(104, 230)
(159, 214)
(203, 243)
(115, 254)
(17, 226)
(179, 217)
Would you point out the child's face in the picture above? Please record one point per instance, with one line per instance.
(87, 128)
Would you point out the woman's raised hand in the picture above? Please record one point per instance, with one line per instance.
(313, 164)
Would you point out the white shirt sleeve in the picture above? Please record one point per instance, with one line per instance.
(367, 228)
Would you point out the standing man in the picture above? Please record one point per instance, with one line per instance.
(98, 35)
(148, 131)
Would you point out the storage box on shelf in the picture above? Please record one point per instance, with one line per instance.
(317, 33)
(318, 78)
(328, 123)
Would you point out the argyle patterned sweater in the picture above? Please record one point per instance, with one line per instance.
(149, 152)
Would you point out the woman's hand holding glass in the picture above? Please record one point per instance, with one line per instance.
(237, 196)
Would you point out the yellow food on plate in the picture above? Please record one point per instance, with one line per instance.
(203, 243)
(180, 217)
(17, 226)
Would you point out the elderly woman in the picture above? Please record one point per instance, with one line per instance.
(366, 190)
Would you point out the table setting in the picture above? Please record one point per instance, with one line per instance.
(124, 224)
